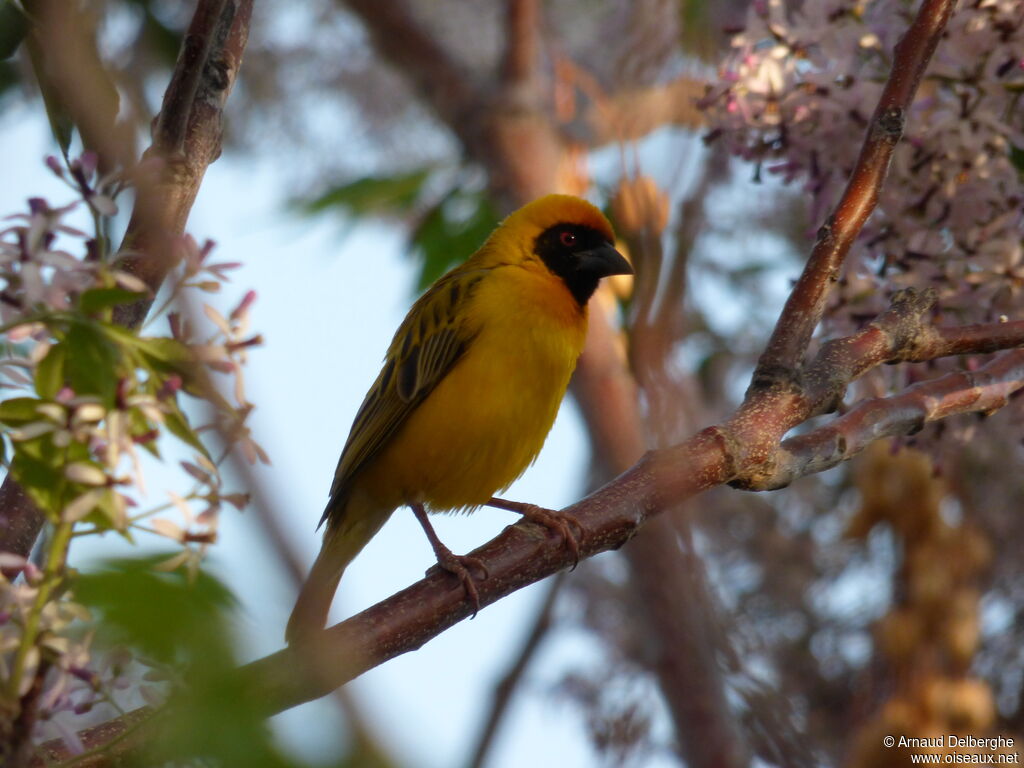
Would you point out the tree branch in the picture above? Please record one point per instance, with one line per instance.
(442, 82)
(524, 553)
(186, 139)
(784, 353)
(983, 391)
(519, 65)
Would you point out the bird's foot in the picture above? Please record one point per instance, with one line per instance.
(553, 520)
(457, 565)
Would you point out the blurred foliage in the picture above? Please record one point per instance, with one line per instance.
(371, 195)
(94, 358)
(163, 40)
(61, 124)
(1017, 157)
(444, 231)
(182, 623)
(450, 231)
(13, 26)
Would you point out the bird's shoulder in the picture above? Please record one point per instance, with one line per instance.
(435, 331)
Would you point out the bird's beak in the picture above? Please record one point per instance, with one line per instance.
(603, 261)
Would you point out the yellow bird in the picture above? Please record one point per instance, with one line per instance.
(469, 390)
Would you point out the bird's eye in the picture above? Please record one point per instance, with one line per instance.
(568, 239)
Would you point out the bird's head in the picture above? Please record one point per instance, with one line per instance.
(571, 238)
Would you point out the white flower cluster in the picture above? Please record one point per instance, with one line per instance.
(79, 395)
(35, 273)
(797, 93)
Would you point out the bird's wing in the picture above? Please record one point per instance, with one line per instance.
(431, 339)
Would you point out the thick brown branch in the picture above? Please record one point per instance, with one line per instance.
(784, 353)
(611, 516)
(186, 139)
(524, 553)
(983, 391)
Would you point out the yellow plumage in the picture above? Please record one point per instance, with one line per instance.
(471, 383)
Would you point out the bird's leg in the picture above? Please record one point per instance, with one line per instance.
(554, 521)
(457, 565)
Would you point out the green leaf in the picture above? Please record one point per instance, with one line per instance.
(169, 356)
(184, 624)
(170, 353)
(178, 425)
(13, 26)
(455, 227)
(50, 372)
(19, 410)
(371, 195)
(161, 614)
(140, 425)
(9, 79)
(37, 469)
(1017, 158)
(107, 513)
(94, 300)
(92, 362)
(61, 124)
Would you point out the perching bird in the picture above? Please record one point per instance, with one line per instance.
(470, 388)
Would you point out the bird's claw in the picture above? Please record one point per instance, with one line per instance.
(559, 522)
(458, 566)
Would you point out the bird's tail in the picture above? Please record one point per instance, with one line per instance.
(342, 542)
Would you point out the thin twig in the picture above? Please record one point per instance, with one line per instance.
(788, 343)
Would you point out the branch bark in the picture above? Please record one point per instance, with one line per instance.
(524, 553)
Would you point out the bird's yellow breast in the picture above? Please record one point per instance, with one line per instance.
(487, 419)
